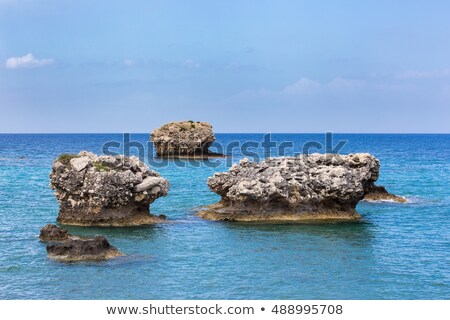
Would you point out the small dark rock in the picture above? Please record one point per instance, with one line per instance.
(379, 193)
(52, 232)
(97, 248)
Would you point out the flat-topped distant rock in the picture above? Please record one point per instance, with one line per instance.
(305, 187)
(379, 193)
(82, 249)
(105, 190)
(184, 139)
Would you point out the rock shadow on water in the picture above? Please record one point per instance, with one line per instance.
(359, 232)
(143, 232)
(10, 269)
(117, 262)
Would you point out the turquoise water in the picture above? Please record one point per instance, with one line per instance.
(398, 251)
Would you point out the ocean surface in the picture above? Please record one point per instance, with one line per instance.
(398, 251)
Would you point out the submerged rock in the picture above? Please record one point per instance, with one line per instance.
(105, 190)
(306, 187)
(52, 232)
(97, 248)
(379, 193)
(184, 139)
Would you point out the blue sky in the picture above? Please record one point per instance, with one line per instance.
(244, 66)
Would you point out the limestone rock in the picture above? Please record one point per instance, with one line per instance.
(105, 190)
(80, 163)
(52, 232)
(97, 248)
(183, 139)
(379, 193)
(149, 183)
(306, 187)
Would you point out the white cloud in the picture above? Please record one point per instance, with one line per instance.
(27, 61)
(346, 84)
(241, 67)
(308, 86)
(304, 85)
(415, 74)
(129, 62)
(310, 89)
(191, 64)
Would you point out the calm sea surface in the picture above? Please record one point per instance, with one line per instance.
(398, 251)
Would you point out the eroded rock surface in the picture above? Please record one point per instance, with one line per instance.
(306, 187)
(97, 248)
(52, 232)
(379, 193)
(105, 190)
(183, 139)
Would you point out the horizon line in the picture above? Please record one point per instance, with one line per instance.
(269, 132)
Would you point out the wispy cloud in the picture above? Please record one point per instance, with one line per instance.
(340, 83)
(309, 86)
(304, 85)
(415, 74)
(129, 62)
(26, 61)
(189, 63)
(237, 66)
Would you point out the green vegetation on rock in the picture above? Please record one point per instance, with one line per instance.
(101, 167)
(66, 157)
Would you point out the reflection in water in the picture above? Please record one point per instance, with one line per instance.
(349, 232)
(147, 232)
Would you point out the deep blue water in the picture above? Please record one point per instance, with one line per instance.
(398, 251)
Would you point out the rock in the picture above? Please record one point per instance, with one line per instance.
(105, 190)
(379, 193)
(187, 139)
(306, 187)
(148, 183)
(52, 232)
(80, 163)
(97, 248)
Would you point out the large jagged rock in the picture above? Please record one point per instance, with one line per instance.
(105, 190)
(306, 187)
(379, 193)
(83, 249)
(187, 139)
(52, 233)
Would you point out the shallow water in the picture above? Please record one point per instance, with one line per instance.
(398, 251)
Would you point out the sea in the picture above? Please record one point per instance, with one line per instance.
(397, 250)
